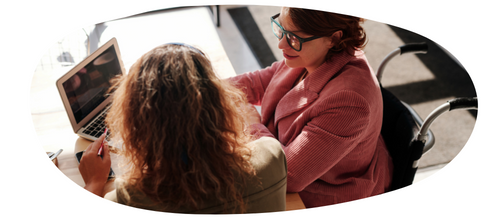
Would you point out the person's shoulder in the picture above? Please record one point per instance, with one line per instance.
(268, 157)
(119, 194)
(269, 162)
(279, 66)
(266, 145)
(279, 63)
(358, 61)
(357, 73)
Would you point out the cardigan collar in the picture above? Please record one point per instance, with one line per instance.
(307, 91)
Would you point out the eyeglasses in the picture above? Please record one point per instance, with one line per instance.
(294, 41)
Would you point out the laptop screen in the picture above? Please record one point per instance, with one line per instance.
(88, 88)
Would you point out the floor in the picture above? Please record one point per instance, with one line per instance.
(419, 80)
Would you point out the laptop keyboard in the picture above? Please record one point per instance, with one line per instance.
(97, 127)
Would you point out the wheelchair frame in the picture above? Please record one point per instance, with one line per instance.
(407, 155)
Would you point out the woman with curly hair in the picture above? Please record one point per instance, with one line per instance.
(323, 103)
(187, 141)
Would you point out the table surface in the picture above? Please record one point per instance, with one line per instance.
(49, 117)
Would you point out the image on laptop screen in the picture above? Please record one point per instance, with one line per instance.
(88, 87)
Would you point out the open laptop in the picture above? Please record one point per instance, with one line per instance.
(84, 90)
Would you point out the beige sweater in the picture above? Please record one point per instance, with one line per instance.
(268, 160)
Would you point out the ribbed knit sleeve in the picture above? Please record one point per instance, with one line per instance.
(255, 83)
(259, 130)
(335, 129)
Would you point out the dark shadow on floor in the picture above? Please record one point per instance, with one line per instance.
(451, 79)
(252, 35)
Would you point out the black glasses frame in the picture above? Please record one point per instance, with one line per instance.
(286, 33)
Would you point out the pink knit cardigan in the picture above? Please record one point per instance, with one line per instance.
(329, 127)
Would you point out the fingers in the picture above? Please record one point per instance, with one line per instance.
(93, 147)
(106, 154)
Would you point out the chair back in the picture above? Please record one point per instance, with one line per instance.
(398, 132)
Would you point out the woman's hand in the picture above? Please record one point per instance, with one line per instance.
(94, 169)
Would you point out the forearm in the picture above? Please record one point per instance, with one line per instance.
(324, 141)
(255, 83)
(259, 130)
(94, 168)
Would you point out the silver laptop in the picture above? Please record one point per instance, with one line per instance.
(85, 90)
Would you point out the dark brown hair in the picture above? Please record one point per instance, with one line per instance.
(324, 24)
(181, 130)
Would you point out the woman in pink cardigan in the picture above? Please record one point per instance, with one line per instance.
(323, 103)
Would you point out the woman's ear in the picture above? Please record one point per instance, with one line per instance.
(335, 38)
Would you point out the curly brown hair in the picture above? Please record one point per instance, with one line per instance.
(321, 23)
(182, 133)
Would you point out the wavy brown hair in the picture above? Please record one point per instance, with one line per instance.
(324, 24)
(181, 130)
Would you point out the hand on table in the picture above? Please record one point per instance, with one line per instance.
(94, 169)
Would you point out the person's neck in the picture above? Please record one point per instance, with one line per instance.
(301, 77)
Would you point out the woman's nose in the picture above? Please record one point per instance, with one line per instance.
(282, 43)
